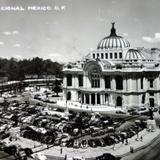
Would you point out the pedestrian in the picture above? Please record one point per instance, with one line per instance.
(131, 149)
(114, 146)
(61, 150)
(126, 142)
(122, 140)
(141, 138)
(65, 158)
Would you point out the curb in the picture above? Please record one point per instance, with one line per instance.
(123, 155)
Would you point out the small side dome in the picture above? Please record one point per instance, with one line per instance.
(134, 54)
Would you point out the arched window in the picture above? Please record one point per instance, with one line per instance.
(69, 80)
(68, 95)
(79, 95)
(119, 101)
(95, 79)
(151, 102)
(87, 98)
(119, 82)
(102, 56)
(120, 54)
(107, 80)
(106, 55)
(106, 98)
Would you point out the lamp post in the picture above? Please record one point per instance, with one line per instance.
(66, 108)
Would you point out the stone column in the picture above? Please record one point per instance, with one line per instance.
(102, 83)
(90, 98)
(101, 98)
(95, 98)
(124, 84)
(64, 81)
(113, 83)
(145, 83)
(84, 98)
(85, 80)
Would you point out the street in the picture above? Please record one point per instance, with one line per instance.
(4, 156)
(152, 152)
(149, 153)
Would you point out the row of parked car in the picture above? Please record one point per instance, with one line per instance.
(45, 98)
(38, 134)
(16, 151)
(142, 111)
(79, 130)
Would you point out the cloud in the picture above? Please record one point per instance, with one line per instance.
(28, 47)
(113, 2)
(7, 33)
(48, 39)
(1, 43)
(16, 45)
(15, 32)
(154, 39)
(57, 57)
(125, 34)
(136, 19)
(18, 56)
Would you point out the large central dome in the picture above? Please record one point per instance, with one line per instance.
(113, 41)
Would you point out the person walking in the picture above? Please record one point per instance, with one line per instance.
(131, 149)
(61, 150)
(126, 142)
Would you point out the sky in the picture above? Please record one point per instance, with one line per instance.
(70, 29)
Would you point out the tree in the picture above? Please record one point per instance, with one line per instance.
(57, 88)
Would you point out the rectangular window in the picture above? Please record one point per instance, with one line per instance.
(97, 55)
(151, 83)
(111, 56)
(107, 81)
(80, 80)
(98, 99)
(93, 55)
(95, 81)
(141, 83)
(69, 80)
(151, 94)
(115, 55)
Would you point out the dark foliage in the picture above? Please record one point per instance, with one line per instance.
(17, 69)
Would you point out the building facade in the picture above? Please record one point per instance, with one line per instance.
(115, 74)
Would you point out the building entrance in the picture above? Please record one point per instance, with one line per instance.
(119, 102)
(151, 101)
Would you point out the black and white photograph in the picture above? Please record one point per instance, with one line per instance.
(79, 80)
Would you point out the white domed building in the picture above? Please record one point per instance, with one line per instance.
(113, 75)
